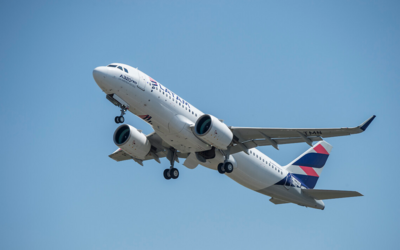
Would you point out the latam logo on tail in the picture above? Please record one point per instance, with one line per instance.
(308, 167)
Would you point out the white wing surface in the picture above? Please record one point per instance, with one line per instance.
(320, 194)
(252, 137)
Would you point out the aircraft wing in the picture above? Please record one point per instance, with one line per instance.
(321, 194)
(120, 155)
(276, 136)
(158, 150)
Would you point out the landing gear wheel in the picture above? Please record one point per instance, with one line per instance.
(174, 173)
(121, 119)
(221, 168)
(228, 167)
(167, 175)
(116, 119)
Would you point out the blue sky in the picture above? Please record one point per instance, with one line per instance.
(251, 63)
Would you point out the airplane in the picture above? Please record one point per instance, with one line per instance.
(183, 131)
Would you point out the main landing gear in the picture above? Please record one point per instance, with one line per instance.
(171, 172)
(121, 119)
(226, 166)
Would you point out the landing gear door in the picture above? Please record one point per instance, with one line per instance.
(142, 81)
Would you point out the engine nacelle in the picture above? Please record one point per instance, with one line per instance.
(213, 131)
(132, 141)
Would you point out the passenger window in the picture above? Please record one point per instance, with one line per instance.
(120, 68)
(126, 70)
(196, 115)
(263, 160)
(192, 113)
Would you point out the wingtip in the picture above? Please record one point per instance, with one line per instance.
(365, 125)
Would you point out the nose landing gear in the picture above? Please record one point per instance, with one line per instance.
(121, 119)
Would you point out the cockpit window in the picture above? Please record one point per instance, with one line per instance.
(126, 70)
(120, 67)
(112, 66)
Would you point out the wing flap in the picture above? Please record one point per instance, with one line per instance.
(321, 194)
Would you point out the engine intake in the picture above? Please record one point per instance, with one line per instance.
(132, 141)
(213, 131)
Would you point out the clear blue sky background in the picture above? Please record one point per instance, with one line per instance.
(251, 63)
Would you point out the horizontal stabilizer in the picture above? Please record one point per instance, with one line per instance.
(321, 194)
(277, 201)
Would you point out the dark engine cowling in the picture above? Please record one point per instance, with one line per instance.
(132, 141)
(211, 130)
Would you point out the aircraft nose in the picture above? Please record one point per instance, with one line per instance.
(99, 75)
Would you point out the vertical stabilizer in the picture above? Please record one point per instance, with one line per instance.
(308, 166)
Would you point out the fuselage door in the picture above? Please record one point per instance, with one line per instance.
(142, 81)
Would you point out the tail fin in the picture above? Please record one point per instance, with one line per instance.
(308, 166)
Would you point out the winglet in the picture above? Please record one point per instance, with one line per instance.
(365, 125)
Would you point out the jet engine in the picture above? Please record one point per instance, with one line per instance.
(211, 130)
(132, 141)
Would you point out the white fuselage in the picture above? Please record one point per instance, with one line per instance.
(172, 118)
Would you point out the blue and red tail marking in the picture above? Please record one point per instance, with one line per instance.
(307, 168)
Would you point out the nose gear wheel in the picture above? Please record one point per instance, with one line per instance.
(121, 119)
